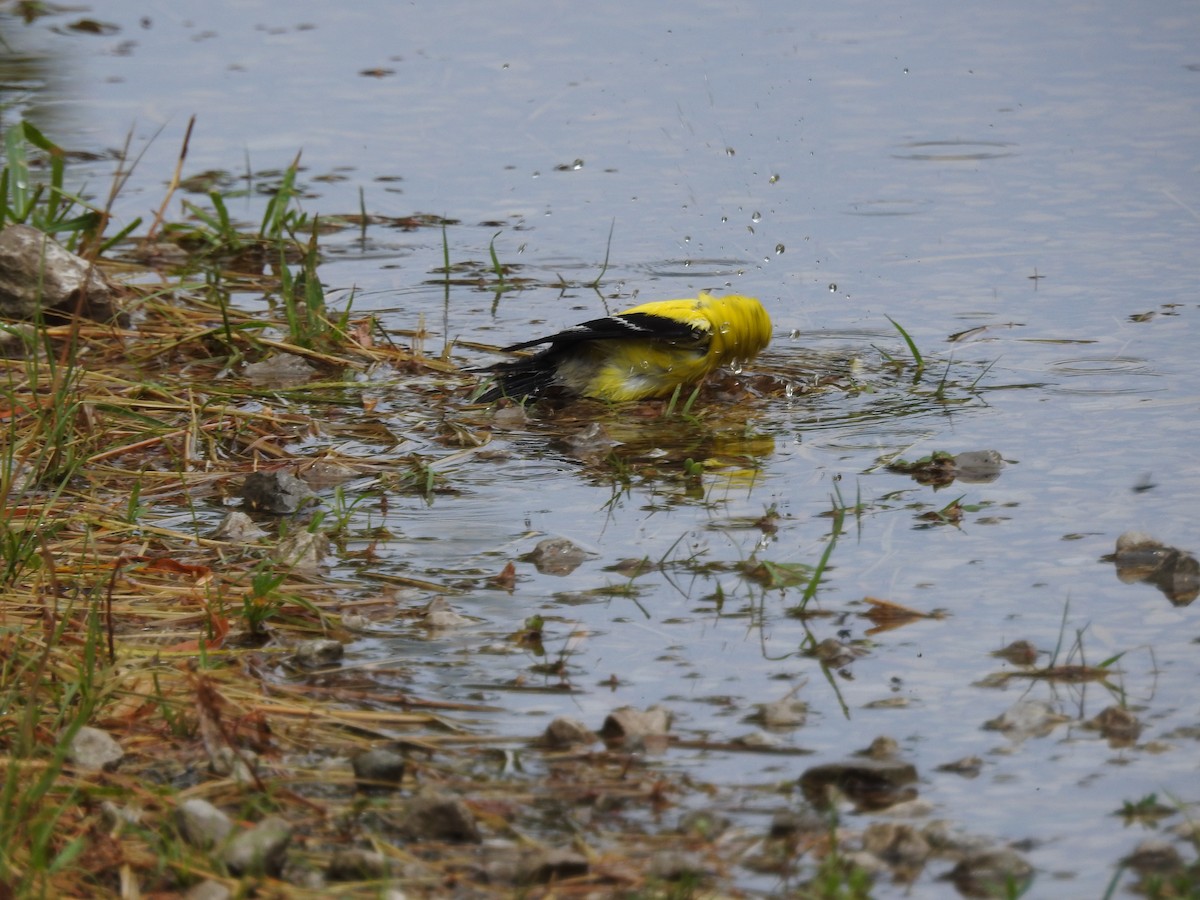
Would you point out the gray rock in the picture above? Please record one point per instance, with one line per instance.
(1026, 718)
(280, 370)
(439, 818)
(870, 784)
(1154, 857)
(790, 822)
(237, 764)
(94, 749)
(303, 550)
(628, 722)
(319, 652)
(261, 850)
(564, 732)
(37, 275)
(202, 824)
(1139, 557)
(1120, 726)
(378, 770)
(556, 556)
(978, 466)
(439, 615)
(993, 873)
(355, 864)
(786, 712)
(238, 528)
(897, 843)
(275, 492)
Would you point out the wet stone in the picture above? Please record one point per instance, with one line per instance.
(978, 466)
(236, 764)
(992, 873)
(1025, 719)
(556, 556)
(303, 550)
(870, 784)
(786, 712)
(788, 822)
(628, 723)
(439, 614)
(94, 749)
(1139, 557)
(201, 824)
(564, 732)
(883, 747)
(355, 864)
(38, 275)
(438, 818)
(1120, 726)
(378, 770)
(280, 370)
(898, 844)
(1154, 857)
(319, 652)
(261, 850)
(833, 653)
(1019, 653)
(968, 767)
(275, 492)
(238, 528)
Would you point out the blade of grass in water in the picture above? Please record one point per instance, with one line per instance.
(912, 348)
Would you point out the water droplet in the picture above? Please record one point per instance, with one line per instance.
(537, 174)
(724, 218)
(774, 179)
(521, 249)
(757, 217)
(906, 70)
(729, 151)
(578, 164)
(505, 66)
(779, 248)
(833, 287)
(750, 228)
(724, 328)
(736, 368)
(687, 238)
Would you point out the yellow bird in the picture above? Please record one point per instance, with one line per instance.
(644, 352)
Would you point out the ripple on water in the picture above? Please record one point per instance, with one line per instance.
(1105, 375)
(954, 151)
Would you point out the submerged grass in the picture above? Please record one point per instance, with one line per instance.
(124, 607)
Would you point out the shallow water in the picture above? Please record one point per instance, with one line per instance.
(1028, 170)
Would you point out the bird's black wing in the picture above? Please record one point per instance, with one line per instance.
(609, 328)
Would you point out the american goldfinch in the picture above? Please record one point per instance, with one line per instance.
(644, 352)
